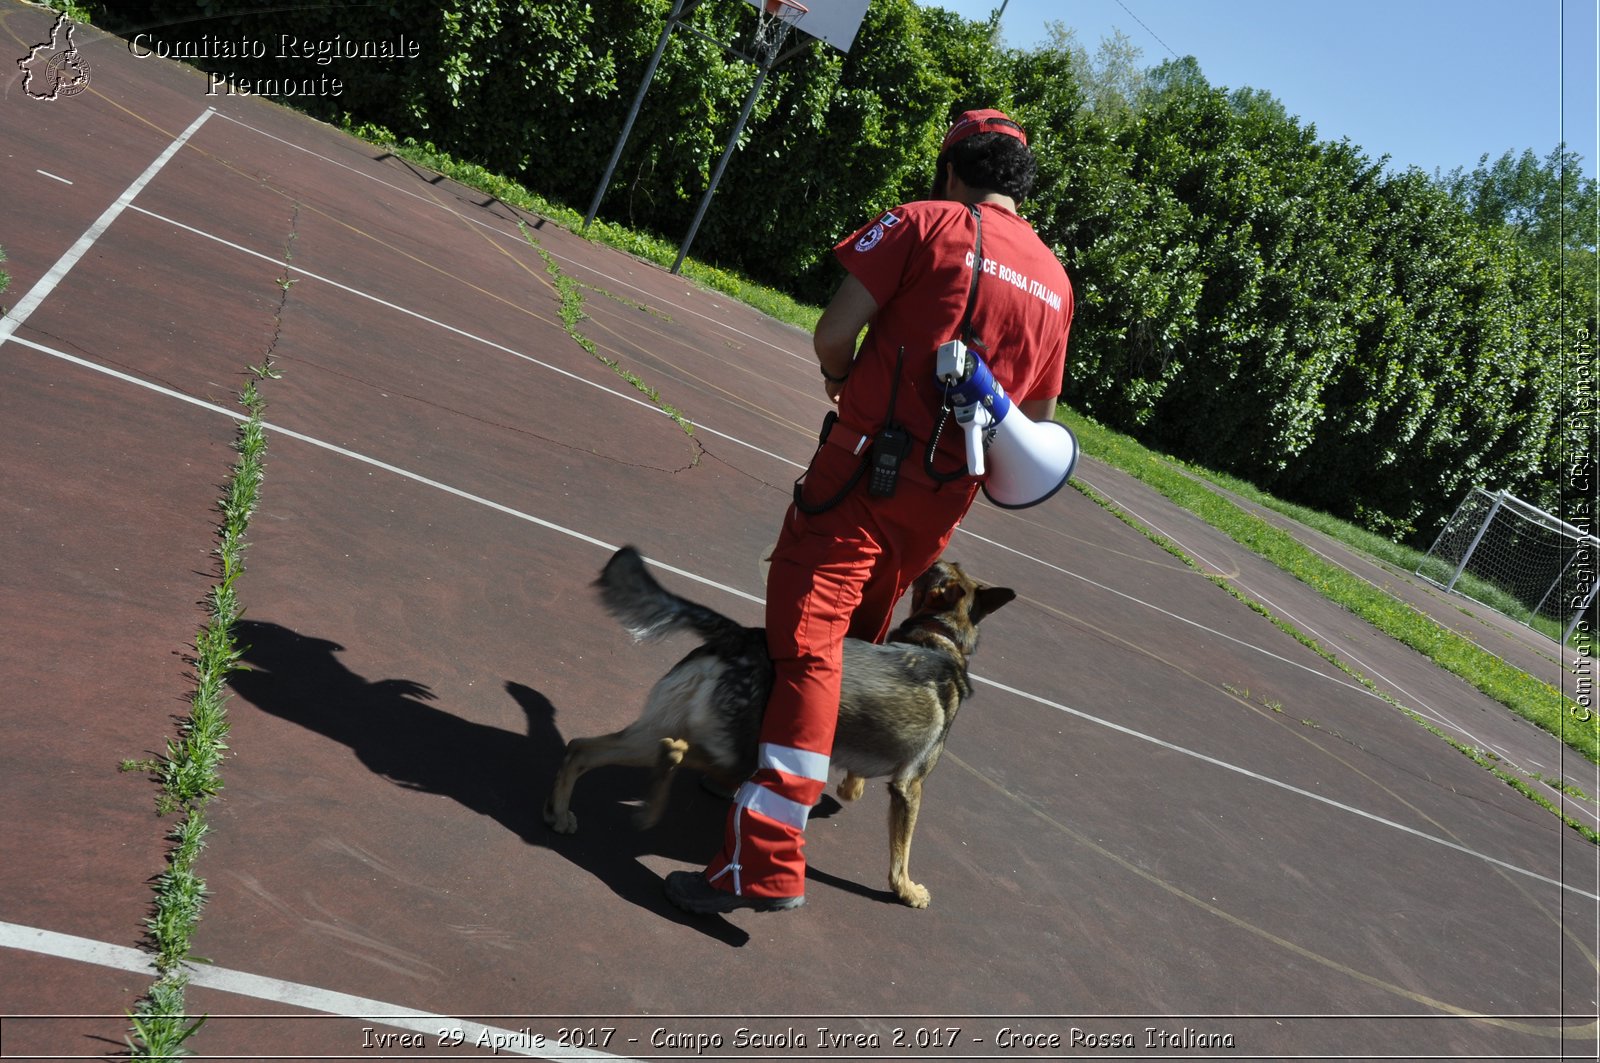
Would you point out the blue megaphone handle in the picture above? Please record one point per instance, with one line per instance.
(980, 388)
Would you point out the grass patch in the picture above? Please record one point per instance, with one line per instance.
(1398, 555)
(188, 773)
(1528, 697)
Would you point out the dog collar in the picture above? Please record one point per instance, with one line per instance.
(943, 630)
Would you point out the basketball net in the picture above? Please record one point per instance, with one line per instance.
(774, 19)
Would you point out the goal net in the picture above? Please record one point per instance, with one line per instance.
(1515, 558)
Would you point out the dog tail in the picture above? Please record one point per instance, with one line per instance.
(648, 610)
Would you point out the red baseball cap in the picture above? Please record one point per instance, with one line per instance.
(971, 123)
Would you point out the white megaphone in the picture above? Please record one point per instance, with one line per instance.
(1031, 460)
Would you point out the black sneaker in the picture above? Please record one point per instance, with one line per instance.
(690, 891)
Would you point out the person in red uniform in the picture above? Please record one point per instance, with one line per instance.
(845, 555)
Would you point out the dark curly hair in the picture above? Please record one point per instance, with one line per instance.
(993, 162)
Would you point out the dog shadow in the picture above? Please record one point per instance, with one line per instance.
(393, 730)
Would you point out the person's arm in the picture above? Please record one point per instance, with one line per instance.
(1045, 409)
(850, 310)
(1038, 409)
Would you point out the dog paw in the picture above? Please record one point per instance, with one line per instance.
(851, 787)
(912, 894)
(562, 823)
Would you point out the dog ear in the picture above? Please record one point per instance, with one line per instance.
(988, 599)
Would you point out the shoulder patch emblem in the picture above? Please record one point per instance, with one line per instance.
(870, 238)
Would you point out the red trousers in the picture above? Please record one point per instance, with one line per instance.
(833, 574)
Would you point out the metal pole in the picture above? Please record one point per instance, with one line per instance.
(1437, 539)
(1476, 539)
(727, 153)
(679, 12)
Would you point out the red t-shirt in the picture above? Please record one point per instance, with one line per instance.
(916, 261)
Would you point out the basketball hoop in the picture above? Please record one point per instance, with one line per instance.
(774, 18)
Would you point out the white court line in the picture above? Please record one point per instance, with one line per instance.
(496, 229)
(1270, 781)
(278, 991)
(53, 177)
(582, 537)
(1427, 713)
(1414, 702)
(289, 433)
(463, 333)
(46, 284)
(1178, 617)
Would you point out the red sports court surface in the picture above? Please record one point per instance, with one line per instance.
(1162, 828)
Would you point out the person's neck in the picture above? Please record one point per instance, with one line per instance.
(991, 197)
(967, 195)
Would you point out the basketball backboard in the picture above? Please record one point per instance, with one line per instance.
(833, 21)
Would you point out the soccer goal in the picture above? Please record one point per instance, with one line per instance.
(1515, 558)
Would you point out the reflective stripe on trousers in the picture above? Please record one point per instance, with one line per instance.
(780, 771)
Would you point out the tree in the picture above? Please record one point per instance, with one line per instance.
(1548, 207)
(840, 138)
(1451, 385)
(1227, 278)
(1112, 80)
(1547, 204)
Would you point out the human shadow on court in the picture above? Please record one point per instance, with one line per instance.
(394, 731)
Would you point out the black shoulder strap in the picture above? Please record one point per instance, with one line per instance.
(977, 270)
(970, 340)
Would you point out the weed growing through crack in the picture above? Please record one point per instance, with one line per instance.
(570, 293)
(188, 773)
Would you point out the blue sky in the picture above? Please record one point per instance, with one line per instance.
(1431, 83)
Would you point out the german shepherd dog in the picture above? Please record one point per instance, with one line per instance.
(895, 709)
